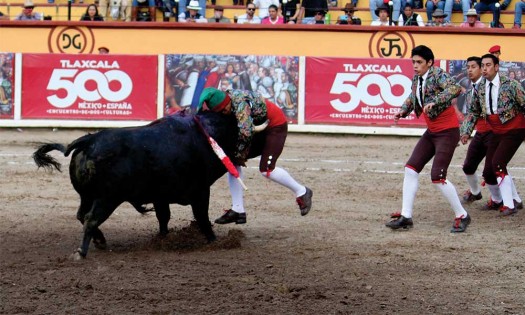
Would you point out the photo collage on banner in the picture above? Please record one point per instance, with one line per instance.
(6, 85)
(276, 78)
(458, 70)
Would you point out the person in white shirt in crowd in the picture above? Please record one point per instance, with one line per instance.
(384, 16)
(192, 15)
(263, 6)
(249, 17)
(375, 4)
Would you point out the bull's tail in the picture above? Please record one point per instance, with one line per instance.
(42, 159)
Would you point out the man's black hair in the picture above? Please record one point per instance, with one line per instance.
(423, 52)
(491, 56)
(476, 59)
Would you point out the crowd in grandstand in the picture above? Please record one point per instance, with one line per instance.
(271, 12)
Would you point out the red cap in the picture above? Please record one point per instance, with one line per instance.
(494, 49)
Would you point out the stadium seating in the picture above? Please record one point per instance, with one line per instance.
(58, 11)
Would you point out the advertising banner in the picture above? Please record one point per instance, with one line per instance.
(357, 91)
(6, 85)
(89, 87)
(275, 77)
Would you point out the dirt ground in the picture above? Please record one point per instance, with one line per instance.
(340, 259)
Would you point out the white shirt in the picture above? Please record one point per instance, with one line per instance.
(243, 19)
(379, 23)
(495, 90)
(476, 84)
(425, 76)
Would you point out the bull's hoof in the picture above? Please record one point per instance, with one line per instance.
(211, 239)
(77, 255)
(100, 244)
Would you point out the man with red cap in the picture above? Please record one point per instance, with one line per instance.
(495, 50)
(250, 110)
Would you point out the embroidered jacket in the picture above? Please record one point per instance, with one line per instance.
(249, 109)
(511, 100)
(439, 88)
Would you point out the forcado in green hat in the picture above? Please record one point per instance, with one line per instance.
(214, 99)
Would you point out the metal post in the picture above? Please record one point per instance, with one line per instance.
(176, 10)
(286, 13)
(69, 9)
(390, 10)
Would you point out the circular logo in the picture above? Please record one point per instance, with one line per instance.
(390, 45)
(71, 40)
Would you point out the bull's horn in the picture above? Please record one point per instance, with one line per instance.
(261, 127)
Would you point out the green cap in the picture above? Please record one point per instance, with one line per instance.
(215, 99)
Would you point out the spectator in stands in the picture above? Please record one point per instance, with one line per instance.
(433, 5)
(439, 19)
(409, 18)
(396, 9)
(384, 16)
(192, 14)
(348, 17)
(264, 5)
(151, 8)
(218, 16)
(309, 9)
(495, 50)
(202, 5)
(319, 17)
(490, 5)
(249, 17)
(3, 16)
(273, 18)
(28, 14)
(102, 50)
(472, 20)
(118, 9)
(91, 14)
(519, 7)
(290, 10)
(456, 5)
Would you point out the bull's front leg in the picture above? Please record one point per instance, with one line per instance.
(200, 206)
(162, 211)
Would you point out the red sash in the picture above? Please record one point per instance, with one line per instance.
(274, 114)
(518, 122)
(446, 120)
(482, 126)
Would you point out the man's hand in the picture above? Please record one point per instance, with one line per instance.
(428, 107)
(397, 116)
(464, 139)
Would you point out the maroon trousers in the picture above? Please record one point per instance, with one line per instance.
(440, 146)
(269, 144)
(476, 152)
(501, 149)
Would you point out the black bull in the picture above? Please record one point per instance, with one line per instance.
(167, 161)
